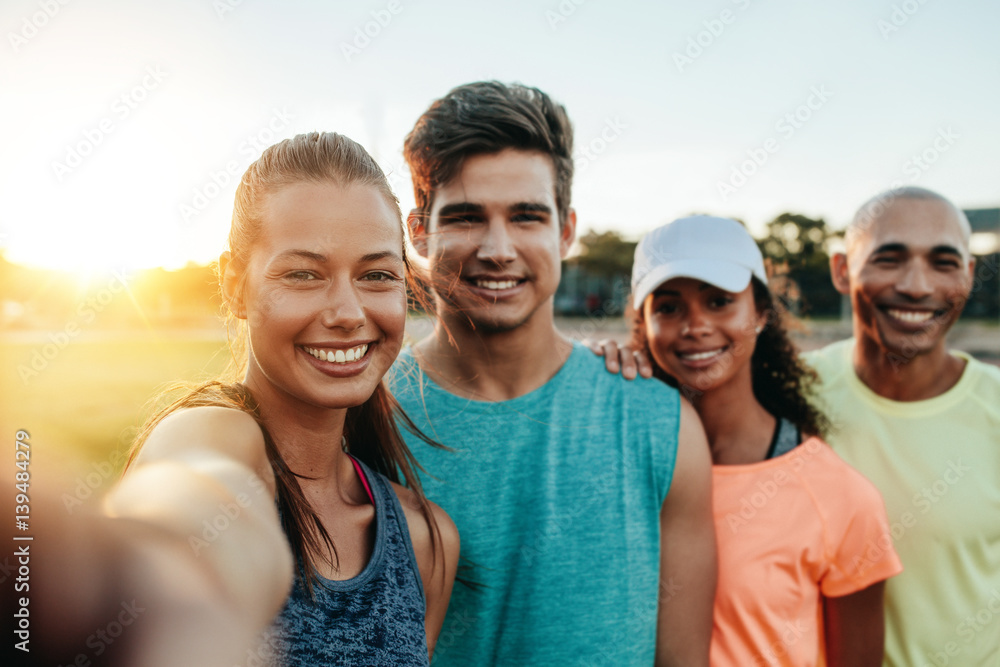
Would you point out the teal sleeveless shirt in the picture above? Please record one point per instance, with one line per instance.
(557, 497)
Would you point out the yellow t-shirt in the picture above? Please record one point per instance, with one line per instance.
(791, 530)
(937, 464)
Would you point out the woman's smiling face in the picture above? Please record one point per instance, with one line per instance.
(700, 334)
(324, 292)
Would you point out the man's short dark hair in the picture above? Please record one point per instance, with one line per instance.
(482, 118)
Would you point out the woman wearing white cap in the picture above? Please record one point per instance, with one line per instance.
(804, 544)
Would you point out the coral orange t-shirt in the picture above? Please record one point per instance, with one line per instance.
(790, 531)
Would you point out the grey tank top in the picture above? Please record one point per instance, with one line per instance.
(374, 619)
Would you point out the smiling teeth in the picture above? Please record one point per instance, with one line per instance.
(339, 356)
(911, 316)
(698, 356)
(496, 284)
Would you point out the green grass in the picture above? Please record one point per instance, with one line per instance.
(86, 403)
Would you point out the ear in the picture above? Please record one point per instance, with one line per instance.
(417, 223)
(839, 274)
(231, 284)
(567, 233)
(762, 318)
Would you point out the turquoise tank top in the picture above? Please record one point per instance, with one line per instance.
(557, 497)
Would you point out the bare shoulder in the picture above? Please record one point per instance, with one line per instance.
(691, 432)
(420, 530)
(693, 467)
(214, 429)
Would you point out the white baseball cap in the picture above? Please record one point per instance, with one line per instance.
(718, 251)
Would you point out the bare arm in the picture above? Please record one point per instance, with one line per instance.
(437, 567)
(202, 480)
(855, 628)
(688, 568)
(178, 593)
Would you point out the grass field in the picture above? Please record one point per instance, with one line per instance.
(87, 400)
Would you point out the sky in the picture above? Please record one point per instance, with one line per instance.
(127, 123)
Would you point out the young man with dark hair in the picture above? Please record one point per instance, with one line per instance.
(922, 423)
(583, 500)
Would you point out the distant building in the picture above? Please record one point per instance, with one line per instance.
(985, 245)
(985, 230)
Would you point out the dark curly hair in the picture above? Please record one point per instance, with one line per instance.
(782, 382)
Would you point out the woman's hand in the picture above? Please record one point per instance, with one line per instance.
(621, 358)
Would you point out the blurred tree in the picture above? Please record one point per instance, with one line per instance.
(796, 246)
(606, 254)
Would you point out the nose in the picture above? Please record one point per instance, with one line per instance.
(497, 246)
(696, 323)
(914, 281)
(344, 309)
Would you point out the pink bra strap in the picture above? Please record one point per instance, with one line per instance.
(364, 480)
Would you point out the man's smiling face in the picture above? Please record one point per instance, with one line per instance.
(908, 274)
(494, 240)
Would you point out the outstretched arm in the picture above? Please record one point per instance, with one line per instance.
(203, 479)
(855, 628)
(688, 569)
(188, 563)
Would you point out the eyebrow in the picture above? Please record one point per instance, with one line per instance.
(530, 207)
(943, 249)
(384, 254)
(462, 208)
(465, 208)
(304, 254)
(322, 259)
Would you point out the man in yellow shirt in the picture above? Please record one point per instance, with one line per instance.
(922, 423)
